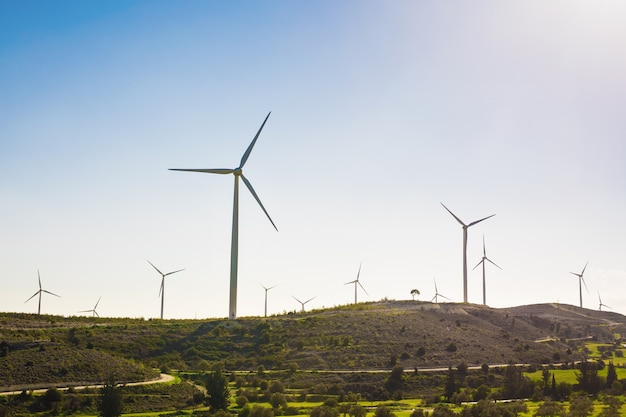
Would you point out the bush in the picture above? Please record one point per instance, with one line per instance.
(451, 347)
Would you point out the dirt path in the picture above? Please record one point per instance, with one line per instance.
(161, 379)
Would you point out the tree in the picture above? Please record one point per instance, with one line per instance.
(382, 411)
(450, 388)
(324, 411)
(218, 393)
(611, 376)
(357, 411)
(110, 399)
(550, 409)
(414, 292)
(581, 406)
(613, 405)
(588, 379)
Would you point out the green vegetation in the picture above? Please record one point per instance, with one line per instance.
(367, 359)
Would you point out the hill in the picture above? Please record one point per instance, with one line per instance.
(365, 336)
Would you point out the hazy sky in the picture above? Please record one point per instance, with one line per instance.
(380, 111)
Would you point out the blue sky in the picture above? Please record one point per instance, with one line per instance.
(380, 111)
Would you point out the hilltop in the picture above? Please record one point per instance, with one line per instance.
(365, 336)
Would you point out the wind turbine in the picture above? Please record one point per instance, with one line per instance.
(483, 262)
(437, 294)
(465, 227)
(581, 281)
(302, 303)
(356, 283)
(41, 290)
(162, 289)
(95, 313)
(237, 172)
(266, 290)
(601, 304)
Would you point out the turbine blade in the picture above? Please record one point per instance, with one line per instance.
(209, 170)
(453, 215)
(170, 273)
(51, 293)
(161, 288)
(584, 268)
(478, 221)
(31, 297)
(96, 306)
(258, 200)
(96, 313)
(351, 282)
(363, 288)
(85, 311)
(309, 300)
(574, 273)
(492, 262)
(39, 277)
(296, 299)
(481, 261)
(484, 250)
(246, 154)
(157, 269)
(358, 274)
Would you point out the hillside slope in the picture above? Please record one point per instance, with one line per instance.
(366, 336)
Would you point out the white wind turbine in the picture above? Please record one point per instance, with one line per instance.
(93, 310)
(302, 303)
(601, 304)
(465, 227)
(437, 294)
(356, 283)
(162, 289)
(581, 281)
(41, 290)
(234, 248)
(266, 290)
(483, 262)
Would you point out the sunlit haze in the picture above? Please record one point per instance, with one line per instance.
(380, 112)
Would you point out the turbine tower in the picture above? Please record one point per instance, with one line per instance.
(41, 290)
(483, 262)
(302, 303)
(234, 248)
(581, 281)
(465, 227)
(601, 304)
(162, 289)
(437, 294)
(93, 310)
(356, 283)
(266, 290)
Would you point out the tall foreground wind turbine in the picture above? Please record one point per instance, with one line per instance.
(41, 290)
(465, 227)
(266, 290)
(234, 247)
(356, 283)
(581, 281)
(162, 289)
(483, 262)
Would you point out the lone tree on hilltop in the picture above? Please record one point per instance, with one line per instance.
(414, 292)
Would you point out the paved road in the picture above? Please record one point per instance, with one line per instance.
(162, 378)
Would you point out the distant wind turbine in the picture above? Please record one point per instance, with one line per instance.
(302, 303)
(266, 290)
(600, 301)
(93, 310)
(483, 262)
(356, 283)
(435, 298)
(162, 289)
(234, 248)
(465, 227)
(581, 281)
(41, 290)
